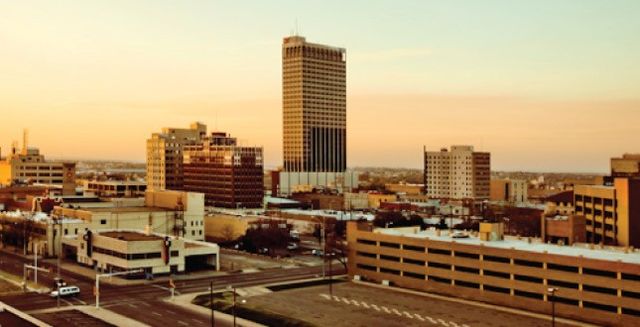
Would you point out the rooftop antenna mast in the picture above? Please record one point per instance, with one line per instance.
(25, 141)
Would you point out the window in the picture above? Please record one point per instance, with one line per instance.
(440, 251)
(562, 267)
(413, 261)
(366, 267)
(439, 265)
(528, 279)
(413, 275)
(389, 271)
(598, 289)
(367, 242)
(559, 283)
(175, 253)
(467, 284)
(390, 245)
(599, 306)
(413, 248)
(530, 295)
(496, 274)
(389, 258)
(496, 289)
(467, 255)
(597, 272)
(103, 221)
(528, 263)
(496, 259)
(366, 254)
(468, 270)
(440, 280)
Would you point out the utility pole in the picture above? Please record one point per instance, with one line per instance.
(213, 321)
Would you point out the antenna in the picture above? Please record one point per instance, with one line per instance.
(25, 140)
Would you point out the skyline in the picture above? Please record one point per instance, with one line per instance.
(558, 97)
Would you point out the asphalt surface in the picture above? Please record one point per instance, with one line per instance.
(143, 303)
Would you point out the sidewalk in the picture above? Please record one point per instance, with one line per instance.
(100, 314)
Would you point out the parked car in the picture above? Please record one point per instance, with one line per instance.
(292, 246)
(318, 253)
(459, 235)
(66, 291)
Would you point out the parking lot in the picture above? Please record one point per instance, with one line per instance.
(359, 305)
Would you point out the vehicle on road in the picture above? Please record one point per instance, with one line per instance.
(66, 291)
(292, 246)
(318, 253)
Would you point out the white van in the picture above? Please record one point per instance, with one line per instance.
(66, 291)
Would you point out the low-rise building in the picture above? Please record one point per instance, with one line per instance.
(602, 284)
(560, 203)
(563, 230)
(127, 250)
(115, 189)
(404, 188)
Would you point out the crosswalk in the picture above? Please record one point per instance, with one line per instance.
(393, 311)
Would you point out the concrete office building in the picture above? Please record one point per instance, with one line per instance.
(28, 166)
(126, 250)
(601, 284)
(460, 173)
(165, 155)
(314, 106)
(612, 212)
(513, 191)
(174, 213)
(229, 175)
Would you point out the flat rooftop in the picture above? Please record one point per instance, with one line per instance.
(536, 246)
(130, 236)
(126, 209)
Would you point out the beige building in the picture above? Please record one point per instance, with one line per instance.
(314, 106)
(125, 250)
(460, 173)
(165, 155)
(30, 167)
(407, 189)
(512, 191)
(173, 213)
(601, 285)
(612, 212)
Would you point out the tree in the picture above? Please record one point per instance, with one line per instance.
(227, 233)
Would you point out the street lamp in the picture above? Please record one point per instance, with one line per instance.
(232, 289)
(551, 291)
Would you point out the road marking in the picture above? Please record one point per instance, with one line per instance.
(386, 309)
(396, 311)
(67, 302)
(326, 296)
(418, 317)
(145, 304)
(453, 324)
(80, 301)
(132, 305)
(345, 300)
(155, 313)
(364, 304)
(408, 315)
(433, 321)
(444, 323)
(183, 323)
(356, 303)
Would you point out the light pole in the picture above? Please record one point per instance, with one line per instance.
(233, 308)
(551, 291)
(213, 320)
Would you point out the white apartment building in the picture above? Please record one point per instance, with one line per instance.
(460, 173)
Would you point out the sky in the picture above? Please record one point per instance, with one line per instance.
(543, 85)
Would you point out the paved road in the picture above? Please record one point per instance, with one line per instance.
(144, 302)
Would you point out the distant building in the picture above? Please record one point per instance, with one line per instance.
(229, 175)
(460, 173)
(314, 106)
(598, 283)
(612, 212)
(404, 188)
(28, 166)
(560, 203)
(626, 166)
(165, 155)
(509, 190)
(115, 189)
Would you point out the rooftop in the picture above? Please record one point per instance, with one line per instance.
(131, 236)
(126, 209)
(536, 246)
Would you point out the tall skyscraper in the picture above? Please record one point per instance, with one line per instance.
(314, 106)
(164, 155)
(457, 174)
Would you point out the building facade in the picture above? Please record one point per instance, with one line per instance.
(460, 173)
(601, 284)
(229, 175)
(115, 188)
(165, 155)
(512, 191)
(612, 212)
(314, 106)
(30, 167)
(626, 166)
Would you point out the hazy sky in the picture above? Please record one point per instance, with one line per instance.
(544, 85)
